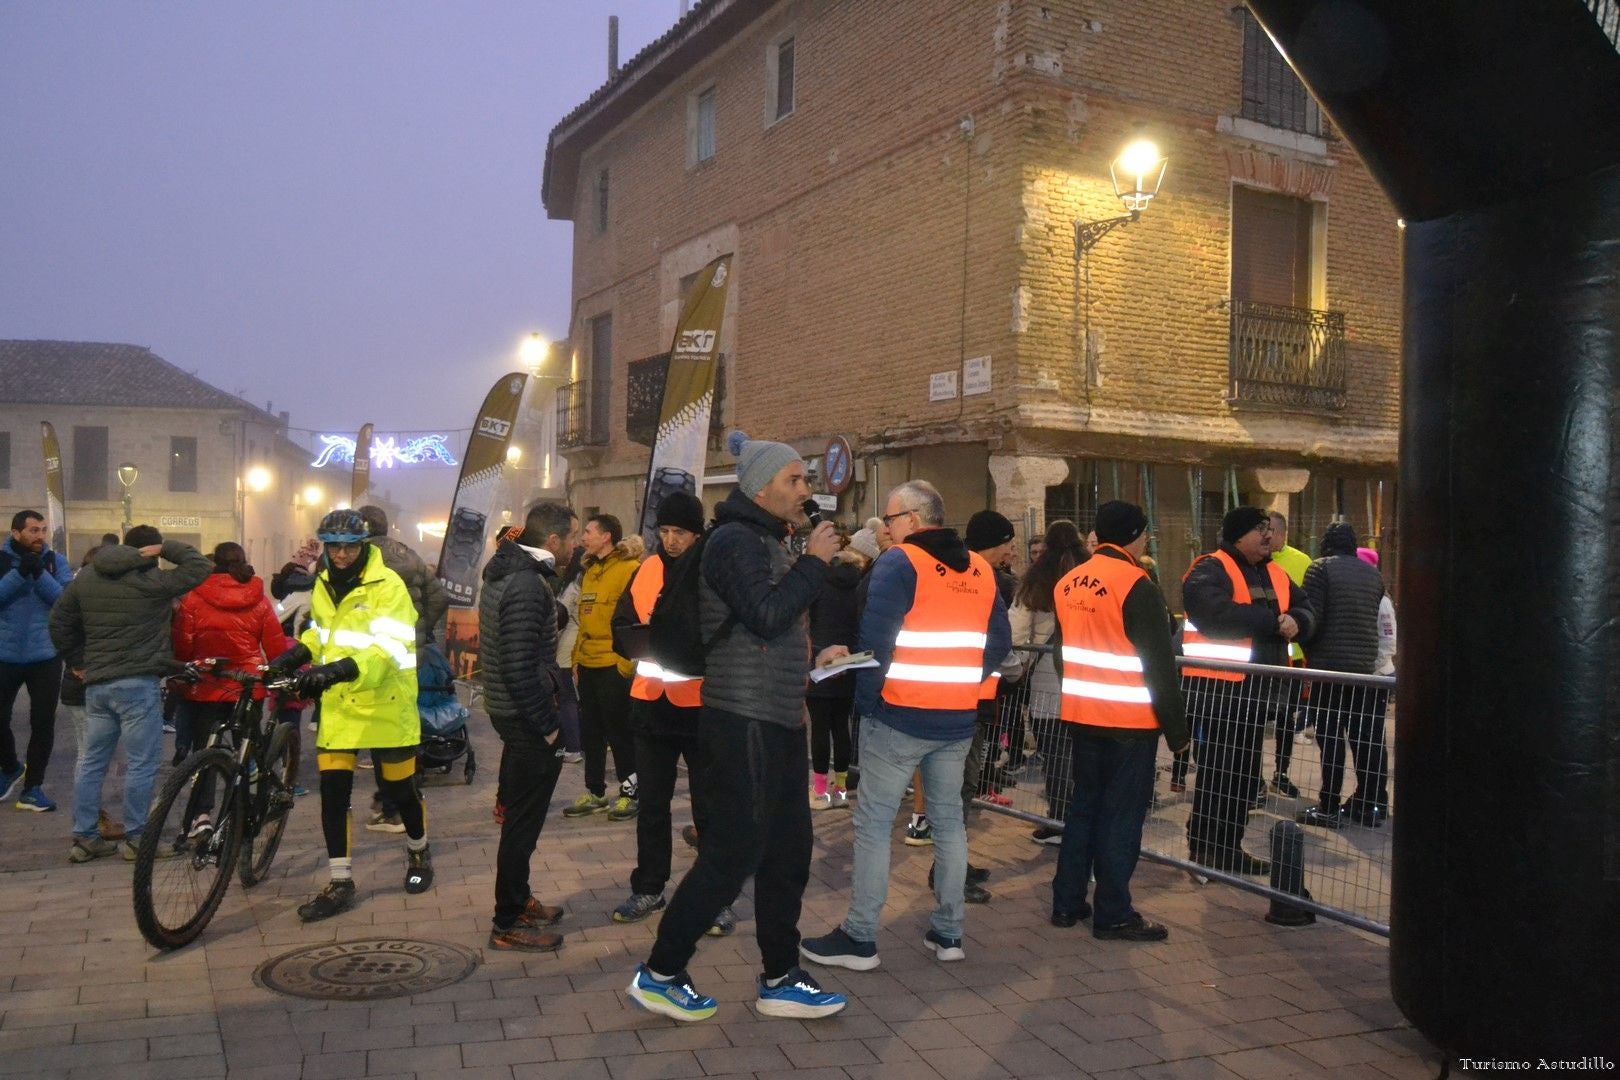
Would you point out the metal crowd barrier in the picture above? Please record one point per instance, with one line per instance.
(1289, 721)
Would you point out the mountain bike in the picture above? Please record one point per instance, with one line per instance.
(224, 808)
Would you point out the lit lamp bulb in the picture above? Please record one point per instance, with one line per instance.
(514, 454)
(1137, 173)
(258, 478)
(533, 352)
(313, 495)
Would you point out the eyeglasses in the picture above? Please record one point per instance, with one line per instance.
(888, 519)
(343, 547)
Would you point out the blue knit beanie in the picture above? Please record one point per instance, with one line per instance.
(758, 461)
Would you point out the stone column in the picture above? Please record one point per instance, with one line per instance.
(1021, 483)
(1277, 486)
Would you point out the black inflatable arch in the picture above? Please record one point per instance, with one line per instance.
(1494, 127)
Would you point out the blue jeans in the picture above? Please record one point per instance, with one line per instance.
(888, 758)
(1113, 785)
(134, 708)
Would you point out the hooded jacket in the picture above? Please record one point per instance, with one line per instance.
(374, 626)
(25, 604)
(892, 590)
(600, 585)
(754, 601)
(117, 614)
(517, 644)
(231, 620)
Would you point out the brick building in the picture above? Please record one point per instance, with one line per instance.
(899, 185)
(211, 467)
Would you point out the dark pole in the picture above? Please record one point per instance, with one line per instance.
(1495, 130)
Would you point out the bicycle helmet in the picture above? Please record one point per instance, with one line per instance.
(342, 527)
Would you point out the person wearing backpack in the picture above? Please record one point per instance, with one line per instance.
(754, 601)
(665, 703)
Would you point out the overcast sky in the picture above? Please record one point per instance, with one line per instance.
(333, 206)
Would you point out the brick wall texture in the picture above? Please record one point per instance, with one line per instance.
(917, 209)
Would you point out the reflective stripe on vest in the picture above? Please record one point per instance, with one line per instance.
(653, 682)
(1241, 650)
(1103, 684)
(938, 659)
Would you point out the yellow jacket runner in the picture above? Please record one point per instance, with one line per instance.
(376, 626)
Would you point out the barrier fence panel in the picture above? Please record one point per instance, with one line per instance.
(1276, 753)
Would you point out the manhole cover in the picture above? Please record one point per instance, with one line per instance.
(367, 969)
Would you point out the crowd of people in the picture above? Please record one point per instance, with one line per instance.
(793, 670)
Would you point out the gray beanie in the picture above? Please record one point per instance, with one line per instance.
(758, 461)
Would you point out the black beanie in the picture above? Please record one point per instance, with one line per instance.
(682, 511)
(1241, 520)
(987, 529)
(1119, 522)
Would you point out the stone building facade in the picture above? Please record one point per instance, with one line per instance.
(899, 185)
(211, 467)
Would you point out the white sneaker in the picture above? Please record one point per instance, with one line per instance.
(822, 801)
(200, 826)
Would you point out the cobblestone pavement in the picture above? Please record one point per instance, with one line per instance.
(81, 995)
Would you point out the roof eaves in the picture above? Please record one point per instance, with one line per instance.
(646, 73)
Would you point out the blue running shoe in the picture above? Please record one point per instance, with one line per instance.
(798, 996)
(10, 782)
(838, 949)
(677, 999)
(944, 948)
(36, 800)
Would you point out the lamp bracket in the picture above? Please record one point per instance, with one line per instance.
(1087, 234)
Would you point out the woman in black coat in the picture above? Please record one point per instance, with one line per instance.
(834, 620)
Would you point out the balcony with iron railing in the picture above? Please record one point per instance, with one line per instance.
(580, 422)
(644, 398)
(1286, 357)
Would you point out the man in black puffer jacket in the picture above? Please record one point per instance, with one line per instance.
(1344, 592)
(517, 650)
(753, 601)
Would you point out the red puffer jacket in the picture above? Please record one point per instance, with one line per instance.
(231, 619)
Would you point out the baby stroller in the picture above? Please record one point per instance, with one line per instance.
(444, 719)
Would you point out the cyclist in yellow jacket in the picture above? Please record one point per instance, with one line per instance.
(362, 645)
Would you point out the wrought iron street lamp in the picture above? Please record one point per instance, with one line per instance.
(1137, 173)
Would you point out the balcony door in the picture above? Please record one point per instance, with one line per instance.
(1271, 248)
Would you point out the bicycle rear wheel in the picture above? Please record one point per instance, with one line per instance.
(182, 869)
(272, 802)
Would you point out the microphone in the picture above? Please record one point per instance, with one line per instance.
(812, 511)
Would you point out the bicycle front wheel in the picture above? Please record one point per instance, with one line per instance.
(183, 865)
(272, 798)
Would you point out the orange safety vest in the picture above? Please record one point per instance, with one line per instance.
(1103, 684)
(938, 660)
(1195, 644)
(651, 681)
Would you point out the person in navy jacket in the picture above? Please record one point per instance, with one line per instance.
(31, 578)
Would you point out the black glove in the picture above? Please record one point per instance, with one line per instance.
(310, 682)
(30, 564)
(294, 658)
